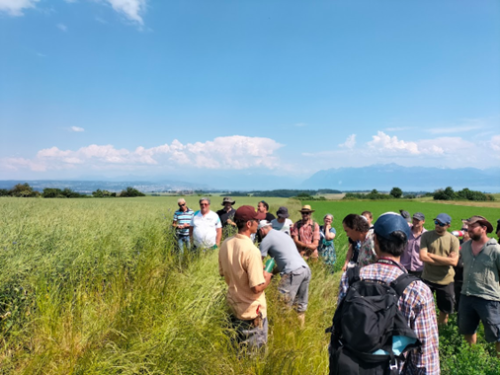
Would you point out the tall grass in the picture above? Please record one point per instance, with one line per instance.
(95, 287)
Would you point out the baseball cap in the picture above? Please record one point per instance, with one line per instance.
(405, 214)
(481, 220)
(282, 212)
(389, 223)
(419, 216)
(247, 213)
(263, 223)
(443, 218)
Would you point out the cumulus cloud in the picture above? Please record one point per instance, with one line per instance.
(383, 142)
(77, 129)
(234, 152)
(350, 142)
(15, 7)
(132, 9)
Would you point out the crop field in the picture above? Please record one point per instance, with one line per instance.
(93, 286)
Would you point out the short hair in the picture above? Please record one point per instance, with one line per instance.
(370, 215)
(240, 223)
(204, 199)
(327, 215)
(356, 222)
(395, 245)
(181, 200)
(265, 204)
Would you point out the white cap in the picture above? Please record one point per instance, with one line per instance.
(263, 223)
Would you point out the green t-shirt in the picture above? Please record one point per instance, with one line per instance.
(442, 246)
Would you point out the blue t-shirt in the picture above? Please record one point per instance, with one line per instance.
(281, 247)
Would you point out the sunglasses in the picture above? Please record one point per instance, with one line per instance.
(182, 205)
(439, 223)
(305, 213)
(204, 204)
(464, 229)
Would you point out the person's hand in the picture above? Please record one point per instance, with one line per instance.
(344, 268)
(328, 227)
(267, 276)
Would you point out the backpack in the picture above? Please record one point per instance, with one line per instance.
(365, 322)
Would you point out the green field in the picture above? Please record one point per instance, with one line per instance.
(92, 286)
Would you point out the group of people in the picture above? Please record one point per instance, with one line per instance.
(396, 251)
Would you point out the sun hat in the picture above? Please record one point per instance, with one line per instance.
(228, 200)
(419, 216)
(282, 212)
(263, 223)
(481, 220)
(246, 213)
(443, 218)
(306, 208)
(389, 223)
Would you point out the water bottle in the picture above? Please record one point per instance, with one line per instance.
(269, 265)
(458, 233)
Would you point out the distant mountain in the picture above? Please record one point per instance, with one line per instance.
(385, 177)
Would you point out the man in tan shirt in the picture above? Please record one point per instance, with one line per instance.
(439, 252)
(240, 263)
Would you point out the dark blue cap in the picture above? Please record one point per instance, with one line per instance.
(444, 218)
(389, 223)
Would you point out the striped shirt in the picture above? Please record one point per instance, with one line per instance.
(183, 217)
(417, 305)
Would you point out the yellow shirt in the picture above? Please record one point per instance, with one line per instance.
(240, 263)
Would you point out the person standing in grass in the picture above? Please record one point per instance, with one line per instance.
(295, 273)
(480, 300)
(326, 248)
(416, 303)
(411, 256)
(240, 263)
(357, 229)
(439, 252)
(263, 207)
(206, 229)
(282, 223)
(305, 234)
(181, 223)
(226, 214)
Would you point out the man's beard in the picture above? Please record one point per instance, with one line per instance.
(475, 237)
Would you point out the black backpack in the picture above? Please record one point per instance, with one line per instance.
(365, 321)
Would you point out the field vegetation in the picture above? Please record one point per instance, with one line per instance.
(93, 286)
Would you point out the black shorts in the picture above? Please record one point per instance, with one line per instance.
(473, 309)
(445, 296)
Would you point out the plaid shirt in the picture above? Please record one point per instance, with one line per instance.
(305, 232)
(417, 305)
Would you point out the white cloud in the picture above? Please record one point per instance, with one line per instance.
(350, 142)
(77, 129)
(233, 152)
(15, 7)
(132, 9)
(62, 27)
(495, 143)
(382, 142)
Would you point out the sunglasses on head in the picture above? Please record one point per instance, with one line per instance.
(439, 223)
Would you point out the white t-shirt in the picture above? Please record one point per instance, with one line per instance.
(205, 228)
(282, 227)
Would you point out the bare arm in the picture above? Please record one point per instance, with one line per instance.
(191, 234)
(261, 287)
(424, 257)
(218, 237)
(328, 235)
(348, 257)
(299, 244)
(450, 260)
(313, 245)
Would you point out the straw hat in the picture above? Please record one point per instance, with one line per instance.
(306, 208)
(228, 200)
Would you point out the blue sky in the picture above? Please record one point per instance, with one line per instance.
(148, 87)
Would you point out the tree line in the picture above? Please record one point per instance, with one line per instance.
(26, 191)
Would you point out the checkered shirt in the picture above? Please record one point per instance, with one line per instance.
(417, 305)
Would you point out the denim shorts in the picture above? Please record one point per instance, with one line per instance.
(474, 309)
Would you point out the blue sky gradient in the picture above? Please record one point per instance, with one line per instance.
(272, 87)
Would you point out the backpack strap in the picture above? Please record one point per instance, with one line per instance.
(353, 275)
(399, 285)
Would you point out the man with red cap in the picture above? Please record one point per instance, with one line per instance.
(240, 263)
(480, 299)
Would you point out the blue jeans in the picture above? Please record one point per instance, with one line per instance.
(181, 242)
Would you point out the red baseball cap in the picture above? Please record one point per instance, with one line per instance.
(246, 213)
